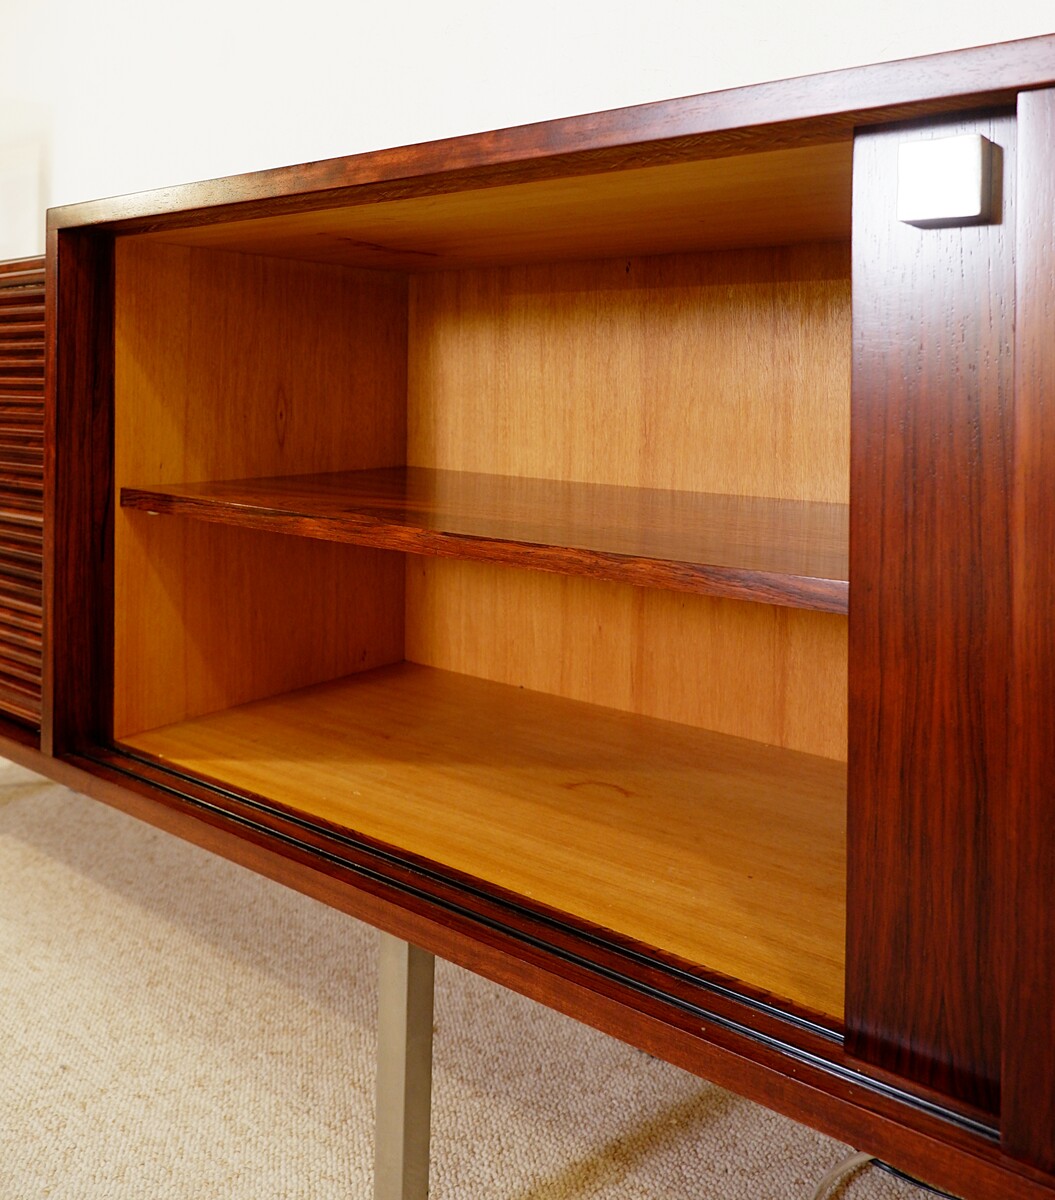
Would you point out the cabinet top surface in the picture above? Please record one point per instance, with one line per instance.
(787, 114)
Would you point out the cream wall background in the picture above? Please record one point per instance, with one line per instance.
(109, 96)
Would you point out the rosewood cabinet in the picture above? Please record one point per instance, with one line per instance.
(614, 555)
(21, 487)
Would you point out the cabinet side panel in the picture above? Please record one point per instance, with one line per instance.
(1029, 834)
(929, 625)
(232, 366)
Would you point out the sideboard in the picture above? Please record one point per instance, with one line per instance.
(615, 555)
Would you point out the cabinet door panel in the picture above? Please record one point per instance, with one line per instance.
(21, 486)
(78, 486)
(1029, 1051)
(929, 623)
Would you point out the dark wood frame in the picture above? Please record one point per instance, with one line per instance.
(22, 327)
(932, 404)
(939, 1113)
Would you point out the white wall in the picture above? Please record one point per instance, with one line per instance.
(111, 96)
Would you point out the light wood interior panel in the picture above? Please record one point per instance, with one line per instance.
(772, 198)
(215, 616)
(233, 365)
(723, 372)
(229, 365)
(776, 675)
(718, 373)
(713, 372)
(725, 853)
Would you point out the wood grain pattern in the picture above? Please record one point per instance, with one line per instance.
(771, 198)
(21, 480)
(229, 365)
(78, 483)
(781, 552)
(790, 113)
(1028, 835)
(643, 372)
(263, 613)
(921, 1142)
(929, 627)
(582, 809)
(773, 294)
(775, 675)
(928, 851)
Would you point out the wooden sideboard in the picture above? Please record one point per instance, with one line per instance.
(21, 487)
(614, 555)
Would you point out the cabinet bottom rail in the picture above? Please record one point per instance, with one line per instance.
(710, 1008)
(916, 1133)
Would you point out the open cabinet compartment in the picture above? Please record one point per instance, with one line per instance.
(593, 653)
(495, 589)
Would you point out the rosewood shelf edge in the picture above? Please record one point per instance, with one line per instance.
(790, 553)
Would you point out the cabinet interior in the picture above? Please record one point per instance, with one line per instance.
(584, 715)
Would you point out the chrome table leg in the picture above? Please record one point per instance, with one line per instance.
(404, 1071)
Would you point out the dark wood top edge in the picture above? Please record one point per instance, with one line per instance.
(800, 110)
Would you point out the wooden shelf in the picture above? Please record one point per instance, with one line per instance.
(614, 708)
(785, 552)
(724, 852)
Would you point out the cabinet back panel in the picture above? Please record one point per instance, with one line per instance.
(719, 372)
(228, 366)
(776, 675)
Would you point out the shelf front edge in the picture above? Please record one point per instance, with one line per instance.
(801, 591)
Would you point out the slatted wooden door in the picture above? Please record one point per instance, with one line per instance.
(21, 486)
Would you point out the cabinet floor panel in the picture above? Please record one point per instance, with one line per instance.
(721, 851)
(788, 552)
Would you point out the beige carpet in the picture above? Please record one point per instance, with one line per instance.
(174, 1028)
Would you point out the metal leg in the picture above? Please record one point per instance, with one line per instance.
(840, 1171)
(404, 1071)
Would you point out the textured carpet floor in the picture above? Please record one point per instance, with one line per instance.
(173, 1027)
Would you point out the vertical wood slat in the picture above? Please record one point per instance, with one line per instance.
(929, 626)
(1029, 835)
(78, 475)
(21, 486)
